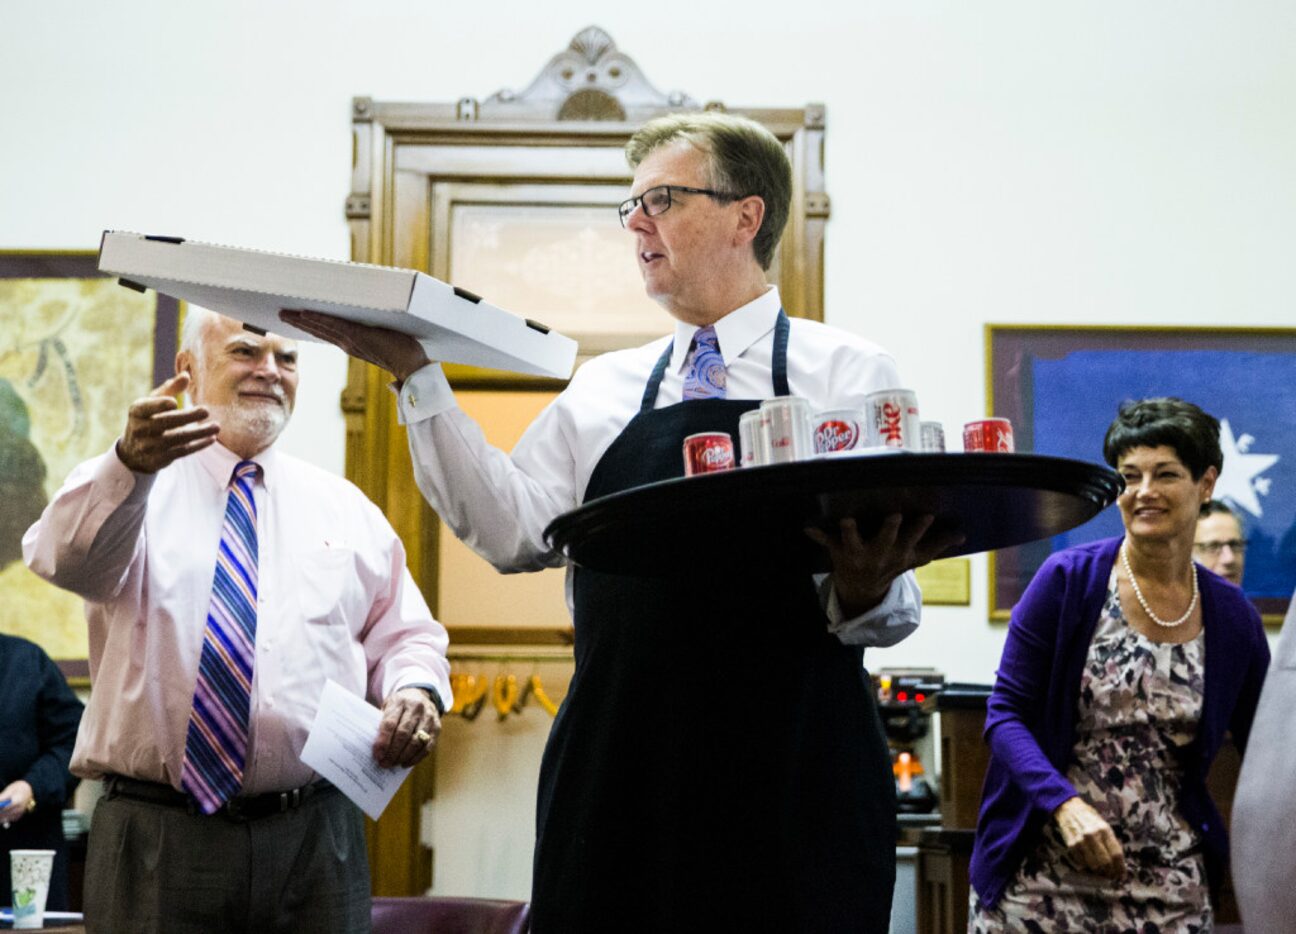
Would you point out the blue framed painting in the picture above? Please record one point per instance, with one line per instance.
(1061, 387)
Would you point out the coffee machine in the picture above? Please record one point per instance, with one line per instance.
(905, 700)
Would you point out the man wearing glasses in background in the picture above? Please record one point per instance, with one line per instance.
(1220, 544)
(718, 764)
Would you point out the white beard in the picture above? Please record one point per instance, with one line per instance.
(256, 422)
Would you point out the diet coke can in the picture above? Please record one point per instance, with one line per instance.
(751, 451)
(708, 452)
(893, 419)
(933, 436)
(786, 433)
(839, 430)
(988, 434)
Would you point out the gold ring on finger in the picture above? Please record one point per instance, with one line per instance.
(423, 736)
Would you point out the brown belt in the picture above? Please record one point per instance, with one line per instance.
(242, 808)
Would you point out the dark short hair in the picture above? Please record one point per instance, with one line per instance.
(1217, 507)
(743, 158)
(1150, 423)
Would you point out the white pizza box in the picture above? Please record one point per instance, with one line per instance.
(253, 286)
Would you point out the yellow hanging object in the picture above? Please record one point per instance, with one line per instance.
(538, 690)
(462, 685)
(469, 695)
(506, 695)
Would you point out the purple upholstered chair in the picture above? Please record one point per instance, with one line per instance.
(441, 915)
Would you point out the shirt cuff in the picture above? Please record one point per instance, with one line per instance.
(426, 393)
(119, 482)
(885, 624)
(437, 702)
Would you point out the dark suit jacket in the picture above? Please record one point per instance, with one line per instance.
(39, 716)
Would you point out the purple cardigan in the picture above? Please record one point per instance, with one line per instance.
(1031, 714)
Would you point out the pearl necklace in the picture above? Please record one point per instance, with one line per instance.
(1168, 624)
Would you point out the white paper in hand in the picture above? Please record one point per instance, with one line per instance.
(340, 748)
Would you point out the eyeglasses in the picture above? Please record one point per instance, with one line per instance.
(1237, 545)
(658, 200)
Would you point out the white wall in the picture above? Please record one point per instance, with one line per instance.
(994, 161)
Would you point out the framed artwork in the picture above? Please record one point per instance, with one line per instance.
(1061, 387)
(76, 350)
(552, 252)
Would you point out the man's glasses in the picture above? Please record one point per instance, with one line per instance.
(1237, 545)
(658, 200)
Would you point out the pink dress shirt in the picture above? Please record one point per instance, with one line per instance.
(335, 602)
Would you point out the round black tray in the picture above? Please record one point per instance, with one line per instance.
(756, 516)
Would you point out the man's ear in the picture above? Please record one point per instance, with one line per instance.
(751, 213)
(185, 363)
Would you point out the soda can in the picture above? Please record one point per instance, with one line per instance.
(893, 419)
(751, 451)
(933, 436)
(708, 452)
(839, 430)
(786, 434)
(988, 434)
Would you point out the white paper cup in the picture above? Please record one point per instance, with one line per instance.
(30, 872)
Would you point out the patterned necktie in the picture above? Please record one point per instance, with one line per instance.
(705, 378)
(217, 741)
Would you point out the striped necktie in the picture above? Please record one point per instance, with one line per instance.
(217, 740)
(705, 378)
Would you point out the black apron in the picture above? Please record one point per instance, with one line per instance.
(718, 763)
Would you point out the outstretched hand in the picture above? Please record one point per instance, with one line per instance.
(399, 354)
(158, 431)
(863, 569)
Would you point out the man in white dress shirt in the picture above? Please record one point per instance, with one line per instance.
(661, 809)
(203, 692)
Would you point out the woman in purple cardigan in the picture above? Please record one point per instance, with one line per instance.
(1125, 665)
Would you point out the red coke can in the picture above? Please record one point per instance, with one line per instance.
(992, 435)
(708, 452)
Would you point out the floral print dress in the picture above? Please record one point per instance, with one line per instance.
(1139, 701)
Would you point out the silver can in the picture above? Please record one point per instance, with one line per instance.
(786, 433)
(933, 436)
(893, 419)
(750, 440)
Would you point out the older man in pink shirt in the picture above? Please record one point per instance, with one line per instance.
(225, 583)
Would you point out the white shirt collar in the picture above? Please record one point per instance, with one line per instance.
(735, 332)
(219, 462)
